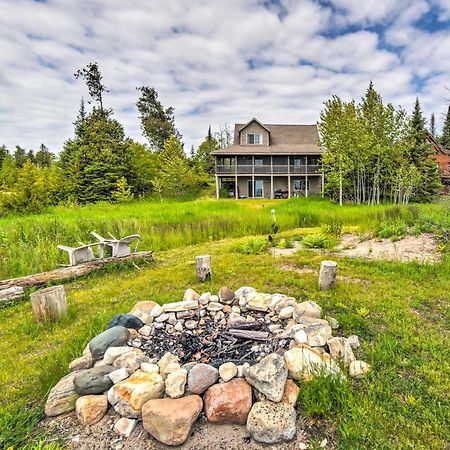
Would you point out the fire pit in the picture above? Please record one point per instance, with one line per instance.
(166, 364)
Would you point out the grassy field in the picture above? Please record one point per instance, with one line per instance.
(401, 311)
(28, 243)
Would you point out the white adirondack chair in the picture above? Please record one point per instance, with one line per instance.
(78, 255)
(119, 247)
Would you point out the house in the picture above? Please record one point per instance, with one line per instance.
(270, 161)
(442, 157)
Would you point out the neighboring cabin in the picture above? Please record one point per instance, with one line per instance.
(442, 156)
(270, 161)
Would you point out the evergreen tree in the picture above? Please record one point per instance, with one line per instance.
(3, 153)
(30, 156)
(92, 76)
(445, 138)
(203, 159)
(44, 157)
(20, 156)
(433, 125)
(157, 122)
(123, 191)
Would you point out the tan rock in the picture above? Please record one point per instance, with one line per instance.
(190, 294)
(146, 330)
(180, 306)
(176, 382)
(259, 301)
(145, 307)
(271, 423)
(131, 360)
(228, 402)
(83, 362)
(227, 371)
(290, 394)
(156, 311)
(91, 408)
(308, 309)
(340, 350)
(286, 312)
(303, 363)
(167, 364)
(133, 333)
(125, 426)
(114, 352)
(62, 397)
(129, 395)
(170, 420)
(359, 369)
(149, 367)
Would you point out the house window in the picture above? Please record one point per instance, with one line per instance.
(259, 161)
(254, 139)
(300, 185)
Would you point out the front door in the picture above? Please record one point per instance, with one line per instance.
(250, 188)
(259, 188)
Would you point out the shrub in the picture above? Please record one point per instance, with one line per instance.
(254, 246)
(317, 241)
(395, 230)
(285, 243)
(334, 228)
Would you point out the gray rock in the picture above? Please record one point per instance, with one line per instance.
(244, 291)
(201, 377)
(226, 295)
(113, 337)
(62, 397)
(93, 381)
(268, 376)
(83, 362)
(126, 320)
(271, 423)
(214, 306)
(353, 341)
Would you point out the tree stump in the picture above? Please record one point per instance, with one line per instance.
(327, 275)
(49, 304)
(203, 267)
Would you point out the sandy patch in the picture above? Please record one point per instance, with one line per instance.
(421, 248)
(204, 436)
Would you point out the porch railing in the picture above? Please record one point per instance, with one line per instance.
(267, 169)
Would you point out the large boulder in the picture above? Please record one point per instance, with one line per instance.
(268, 376)
(93, 381)
(271, 423)
(126, 320)
(170, 420)
(228, 402)
(303, 363)
(113, 337)
(201, 377)
(91, 408)
(62, 397)
(128, 396)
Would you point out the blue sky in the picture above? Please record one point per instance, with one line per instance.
(215, 61)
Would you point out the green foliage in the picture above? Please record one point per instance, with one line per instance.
(317, 241)
(395, 230)
(203, 160)
(445, 137)
(284, 243)
(334, 228)
(123, 191)
(375, 153)
(157, 122)
(254, 246)
(92, 76)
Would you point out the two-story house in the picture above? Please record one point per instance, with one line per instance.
(270, 161)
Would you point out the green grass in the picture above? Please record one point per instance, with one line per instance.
(28, 243)
(400, 311)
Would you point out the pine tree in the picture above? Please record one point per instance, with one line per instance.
(123, 191)
(433, 125)
(203, 160)
(157, 122)
(20, 156)
(44, 157)
(3, 153)
(92, 76)
(445, 138)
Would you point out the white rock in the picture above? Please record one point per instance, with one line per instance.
(168, 363)
(175, 383)
(214, 306)
(228, 371)
(149, 367)
(204, 298)
(317, 330)
(353, 341)
(286, 312)
(178, 326)
(235, 309)
(214, 298)
(185, 305)
(300, 337)
(125, 426)
(146, 330)
(162, 318)
(359, 369)
(275, 299)
(259, 301)
(308, 309)
(240, 369)
(244, 291)
(156, 311)
(274, 327)
(340, 349)
(119, 375)
(112, 353)
(191, 324)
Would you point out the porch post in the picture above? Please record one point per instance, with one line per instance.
(236, 178)
(253, 176)
(306, 185)
(217, 187)
(271, 176)
(289, 177)
(323, 182)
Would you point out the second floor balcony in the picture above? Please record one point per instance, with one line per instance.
(268, 169)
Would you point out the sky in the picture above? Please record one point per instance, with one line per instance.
(215, 61)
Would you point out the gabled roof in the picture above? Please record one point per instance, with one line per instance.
(284, 140)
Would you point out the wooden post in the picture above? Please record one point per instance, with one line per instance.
(217, 187)
(203, 267)
(327, 275)
(49, 303)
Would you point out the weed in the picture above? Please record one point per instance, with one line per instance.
(254, 246)
(317, 241)
(395, 230)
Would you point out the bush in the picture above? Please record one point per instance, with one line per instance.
(317, 241)
(254, 246)
(285, 243)
(395, 230)
(334, 228)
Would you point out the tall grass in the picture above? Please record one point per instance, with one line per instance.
(28, 243)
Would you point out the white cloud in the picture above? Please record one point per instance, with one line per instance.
(214, 61)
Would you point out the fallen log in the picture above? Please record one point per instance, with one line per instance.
(247, 334)
(71, 272)
(10, 294)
